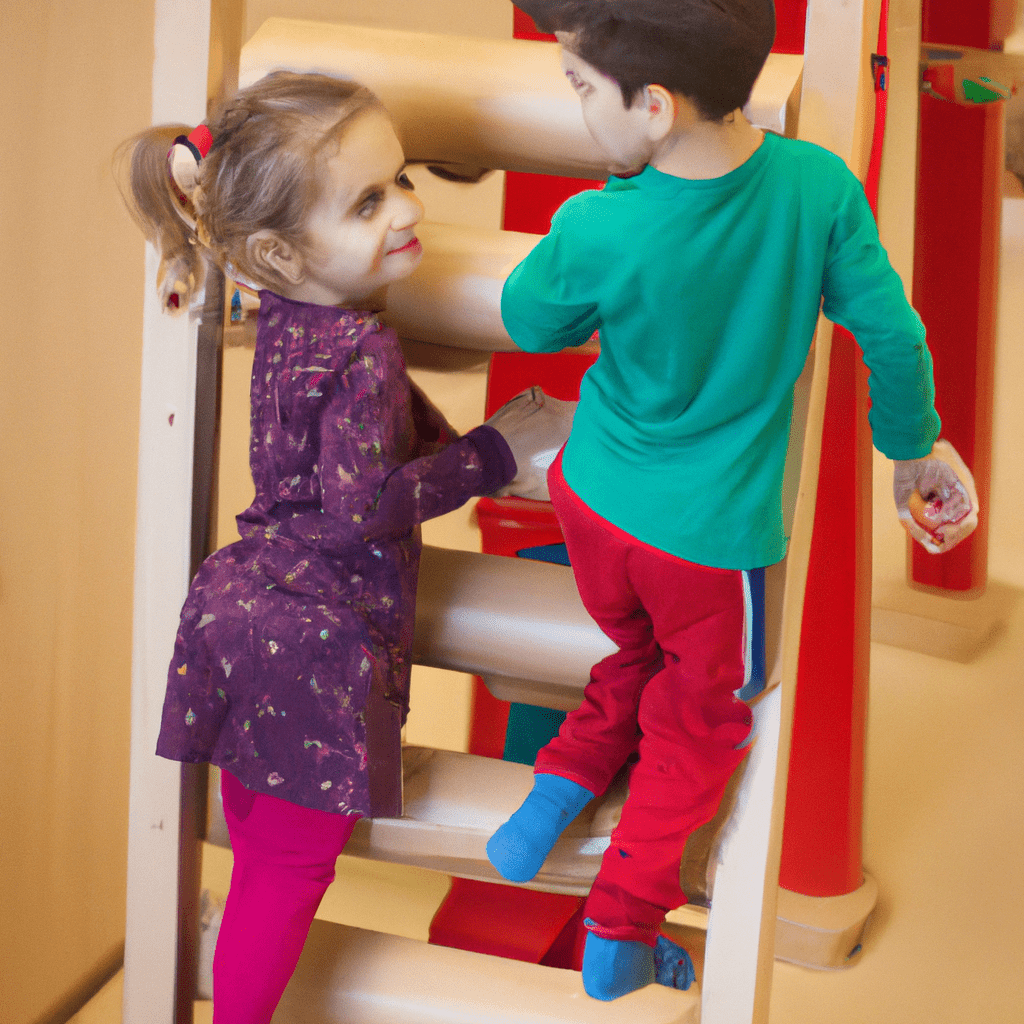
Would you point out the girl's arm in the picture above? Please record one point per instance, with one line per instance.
(479, 463)
(442, 473)
(433, 431)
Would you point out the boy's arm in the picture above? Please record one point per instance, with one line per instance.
(863, 293)
(543, 307)
(934, 491)
(935, 498)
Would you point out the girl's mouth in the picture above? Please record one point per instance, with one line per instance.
(413, 245)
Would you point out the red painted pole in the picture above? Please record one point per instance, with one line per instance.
(821, 844)
(956, 261)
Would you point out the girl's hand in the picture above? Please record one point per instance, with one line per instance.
(935, 498)
(535, 426)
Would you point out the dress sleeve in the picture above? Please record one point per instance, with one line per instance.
(544, 306)
(863, 293)
(477, 464)
(362, 495)
(433, 431)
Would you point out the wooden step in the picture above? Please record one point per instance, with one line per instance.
(451, 301)
(454, 296)
(454, 802)
(350, 976)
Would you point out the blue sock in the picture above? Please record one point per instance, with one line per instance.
(614, 967)
(672, 965)
(518, 849)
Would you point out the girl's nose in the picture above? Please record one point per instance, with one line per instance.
(408, 212)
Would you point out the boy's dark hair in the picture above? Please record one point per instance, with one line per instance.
(710, 51)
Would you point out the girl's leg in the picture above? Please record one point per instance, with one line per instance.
(284, 857)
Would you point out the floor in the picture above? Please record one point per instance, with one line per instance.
(944, 800)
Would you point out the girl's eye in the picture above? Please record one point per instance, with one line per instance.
(370, 204)
(404, 181)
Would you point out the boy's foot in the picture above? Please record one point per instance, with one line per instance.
(672, 965)
(518, 849)
(613, 968)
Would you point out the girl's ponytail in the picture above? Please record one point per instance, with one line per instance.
(257, 167)
(142, 175)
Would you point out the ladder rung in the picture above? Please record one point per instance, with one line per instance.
(491, 103)
(453, 804)
(508, 618)
(350, 976)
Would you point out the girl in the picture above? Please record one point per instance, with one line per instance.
(291, 664)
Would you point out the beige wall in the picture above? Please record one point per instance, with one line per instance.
(74, 80)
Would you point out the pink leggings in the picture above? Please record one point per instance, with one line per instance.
(284, 858)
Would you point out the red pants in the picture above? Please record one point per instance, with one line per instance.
(284, 858)
(667, 696)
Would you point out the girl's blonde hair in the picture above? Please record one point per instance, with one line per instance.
(264, 171)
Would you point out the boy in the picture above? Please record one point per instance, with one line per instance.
(704, 263)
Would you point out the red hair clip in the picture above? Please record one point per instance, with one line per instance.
(183, 159)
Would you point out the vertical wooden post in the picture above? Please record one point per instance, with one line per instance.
(821, 851)
(166, 800)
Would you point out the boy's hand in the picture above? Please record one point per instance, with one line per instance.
(935, 498)
(535, 426)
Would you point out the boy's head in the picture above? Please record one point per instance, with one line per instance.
(710, 51)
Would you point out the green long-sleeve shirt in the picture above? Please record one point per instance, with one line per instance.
(706, 294)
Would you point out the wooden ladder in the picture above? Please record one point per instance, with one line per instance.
(516, 623)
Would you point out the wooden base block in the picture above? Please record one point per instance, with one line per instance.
(944, 627)
(824, 932)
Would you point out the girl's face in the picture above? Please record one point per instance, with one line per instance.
(360, 236)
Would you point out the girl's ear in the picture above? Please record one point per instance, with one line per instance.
(267, 250)
(661, 109)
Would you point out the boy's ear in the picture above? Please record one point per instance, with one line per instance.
(267, 250)
(660, 105)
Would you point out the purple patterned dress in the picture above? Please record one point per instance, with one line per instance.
(291, 664)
